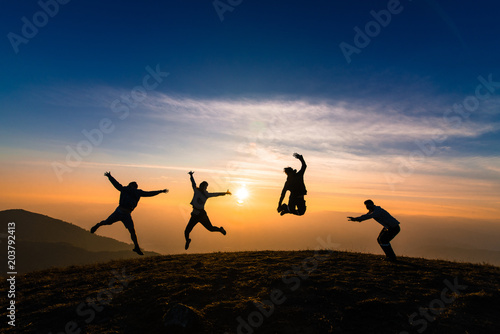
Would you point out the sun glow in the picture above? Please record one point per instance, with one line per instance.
(241, 195)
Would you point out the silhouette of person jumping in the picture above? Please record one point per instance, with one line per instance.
(129, 197)
(199, 215)
(390, 224)
(295, 184)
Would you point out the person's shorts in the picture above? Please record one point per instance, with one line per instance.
(122, 215)
(297, 205)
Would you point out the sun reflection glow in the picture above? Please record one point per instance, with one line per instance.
(241, 194)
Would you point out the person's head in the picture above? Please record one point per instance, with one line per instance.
(132, 185)
(369, 204)
(289, 171)
(204, 186)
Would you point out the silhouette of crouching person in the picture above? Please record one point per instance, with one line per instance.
(129, 198)
(390, 224)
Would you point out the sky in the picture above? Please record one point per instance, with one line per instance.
(397, 101)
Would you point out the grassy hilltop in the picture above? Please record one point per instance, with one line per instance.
(261, 292)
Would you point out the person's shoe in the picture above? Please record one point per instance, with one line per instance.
(222, 230)
(138, 251)
(188, 241)
(94, 228)
(283, 209)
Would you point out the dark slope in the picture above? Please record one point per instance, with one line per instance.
(263, 292)
(44, 242)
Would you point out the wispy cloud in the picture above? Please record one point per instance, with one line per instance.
(259, 135)
(321, 126)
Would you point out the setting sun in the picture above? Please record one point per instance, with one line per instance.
(241, 194)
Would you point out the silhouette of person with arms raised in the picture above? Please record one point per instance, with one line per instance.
(390, 224)
(129, 197)
(295, 184)
(199, 215)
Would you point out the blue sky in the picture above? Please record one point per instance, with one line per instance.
(267, 80)
(261, 47)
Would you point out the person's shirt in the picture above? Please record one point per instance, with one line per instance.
(382, 217)
(129, 197)
(295, 183)
(200, 197)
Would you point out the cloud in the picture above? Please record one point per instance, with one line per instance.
(258, 135)
(253, 139)
(360, 127)
(325, 126)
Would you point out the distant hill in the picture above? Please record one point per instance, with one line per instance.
(461, 254)
(44, 242)
(260, 292)
(443, 238)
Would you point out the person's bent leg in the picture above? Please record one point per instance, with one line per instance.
(113, 218)
(389, 252)
(129, 225)
(189, 227)
(136, 249)
(292, 205)
(205, 221)
(384, 243)
(384, 238)
(297, 205)
(301, 207)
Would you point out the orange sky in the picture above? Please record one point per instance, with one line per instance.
(34, 186)
(406, 123)
(87, 197)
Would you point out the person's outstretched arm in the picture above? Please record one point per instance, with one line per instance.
(113, 181)
(361, 218)
(218, 194)
(193, 183)
(143, 193)
(283, 193)
(301, 158)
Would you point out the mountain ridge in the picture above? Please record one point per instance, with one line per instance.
(43, 242)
